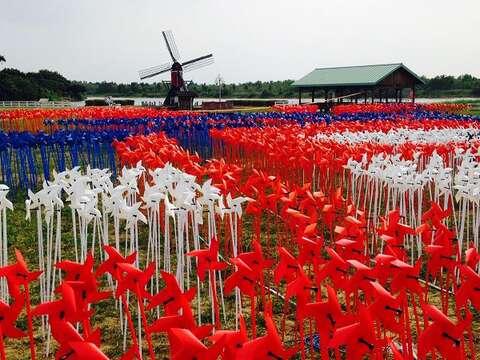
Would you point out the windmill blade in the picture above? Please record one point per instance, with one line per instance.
(197, 63)
(171, 45)
(154, 70)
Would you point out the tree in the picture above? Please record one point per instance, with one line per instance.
(16, 85)
(2, 58)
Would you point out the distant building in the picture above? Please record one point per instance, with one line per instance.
(367, 83)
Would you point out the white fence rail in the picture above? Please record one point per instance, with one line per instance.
(36, 104)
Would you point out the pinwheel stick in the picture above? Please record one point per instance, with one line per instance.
(216, 307)
(145, 323)
(129, 320)
(29, 322)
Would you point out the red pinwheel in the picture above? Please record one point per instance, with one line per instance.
(74, 346)
(328, 315)
(287, 268)
(279, 192)
(185, 345)
(300, 288)
(441, 257)
(469, 288)
(386, 309)
(336, 268)
(136, 281)
(207, 259)
(315, 201)
(74, 271)
(184, 321)
(288, 201)
(392, 227)
(300, 223)
(255, 259)
(8, 318)
(266, 347)
(171, 297)
(436, 214)
(233, 340)
(352, 238)
(83, 350)
(244, 278)
(110, 265)
(64, 309)
(383, 267)
(433, 231)
(310, 250)
(350, 249)
(472, 257)
(406, 277)
(258, 263)
(334, 207)
(362, 279)
(442, 335)
(82, 280)
(18, 275)
(359, 338)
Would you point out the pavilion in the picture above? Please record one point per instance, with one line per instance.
(370, 83)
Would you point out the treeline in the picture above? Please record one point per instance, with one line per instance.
(445, 85)
(258, 89)
(439, 86)
(16, 85)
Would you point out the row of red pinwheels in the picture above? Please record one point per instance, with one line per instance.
(399, 108)
(348, 266)
(314, 154)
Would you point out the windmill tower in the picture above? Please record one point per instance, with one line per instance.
(178, 94)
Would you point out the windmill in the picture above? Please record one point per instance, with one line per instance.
(178, 94)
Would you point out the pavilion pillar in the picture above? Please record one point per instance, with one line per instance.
(413, 94)
(313, 95)
(386, 96)
(400, 95)
(365, 95)
(299, 96)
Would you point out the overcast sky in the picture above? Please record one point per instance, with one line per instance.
(251, 40)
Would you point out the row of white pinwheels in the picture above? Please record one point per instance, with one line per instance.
(103, 213)
(386, 182)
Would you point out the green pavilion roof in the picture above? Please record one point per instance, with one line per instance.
(365, 75)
